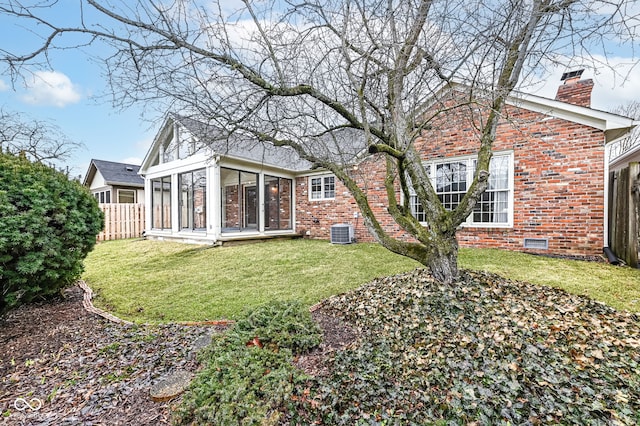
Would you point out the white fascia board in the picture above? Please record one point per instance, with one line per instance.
(232, 161)
(614, 126)
(198, 160)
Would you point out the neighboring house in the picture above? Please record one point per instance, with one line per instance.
(112, 182)
(547, 189)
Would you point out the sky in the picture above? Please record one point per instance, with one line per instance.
(71, 96)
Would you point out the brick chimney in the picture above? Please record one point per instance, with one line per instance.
(575, 91)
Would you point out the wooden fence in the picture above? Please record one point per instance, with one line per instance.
(122, 221)
(624, 213)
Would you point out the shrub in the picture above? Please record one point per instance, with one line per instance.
(249, 375)
(48, 225)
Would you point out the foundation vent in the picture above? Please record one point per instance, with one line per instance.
(536, 243)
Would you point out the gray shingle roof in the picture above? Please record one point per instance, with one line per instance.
(119, 173)
(342, 147)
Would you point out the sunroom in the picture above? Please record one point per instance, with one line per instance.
(202, 190)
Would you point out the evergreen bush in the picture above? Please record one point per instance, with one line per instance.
(248, 376)
(48, 225)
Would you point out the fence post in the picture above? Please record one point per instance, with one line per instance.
(634, 213)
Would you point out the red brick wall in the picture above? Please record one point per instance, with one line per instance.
(558, 185)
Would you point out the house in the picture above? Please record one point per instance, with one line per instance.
(547, 189)
(205, 190)
(112, 182)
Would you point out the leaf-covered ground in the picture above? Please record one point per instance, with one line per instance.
(484, 350)
(75, 368)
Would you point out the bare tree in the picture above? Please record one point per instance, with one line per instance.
(39, 140)
(306, 73)
(618, 148)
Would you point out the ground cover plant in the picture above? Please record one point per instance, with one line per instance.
(484, 350)
(249, 374)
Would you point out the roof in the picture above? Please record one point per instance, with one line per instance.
(243, 147)
(346, 145)
(613, 125)
(121, 174)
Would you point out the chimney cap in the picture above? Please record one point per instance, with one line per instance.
(570, 75)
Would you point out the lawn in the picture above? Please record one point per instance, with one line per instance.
(154, 281)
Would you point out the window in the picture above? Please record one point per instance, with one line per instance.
(103, 196)
(452, 178)
(277, 203)
(177, 146)
(161, 202)
(493, 205)
(239, 198)
(322, 187)
(126, 196)
(451, 183)
(193, 203)
(170, 147)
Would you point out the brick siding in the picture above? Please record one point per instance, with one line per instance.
(558, 185)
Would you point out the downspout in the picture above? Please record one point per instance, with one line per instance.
(606, 195)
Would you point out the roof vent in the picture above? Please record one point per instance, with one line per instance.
(129, 168)
(341, 233)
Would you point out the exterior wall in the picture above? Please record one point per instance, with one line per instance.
(315, 217)
(558, 185)
(97, 183)
(558, 182)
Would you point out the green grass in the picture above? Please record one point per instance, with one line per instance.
(615, 286)
(154, 281)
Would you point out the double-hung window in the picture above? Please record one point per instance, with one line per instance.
(451, 179)
(322, 187)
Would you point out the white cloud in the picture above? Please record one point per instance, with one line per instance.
(51, 88)
(132, 160)
(3, 86)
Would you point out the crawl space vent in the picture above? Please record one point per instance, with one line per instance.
(341, 234)
(536, 243)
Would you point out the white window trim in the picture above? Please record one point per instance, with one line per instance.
(135, 194)
(469, 223)
(103, 194)
(321, 177)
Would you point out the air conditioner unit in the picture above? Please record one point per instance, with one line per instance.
(342, 233)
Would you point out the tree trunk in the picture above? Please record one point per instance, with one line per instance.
(443, 262)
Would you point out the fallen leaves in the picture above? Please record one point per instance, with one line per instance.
(86, 370)
(484, 350)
